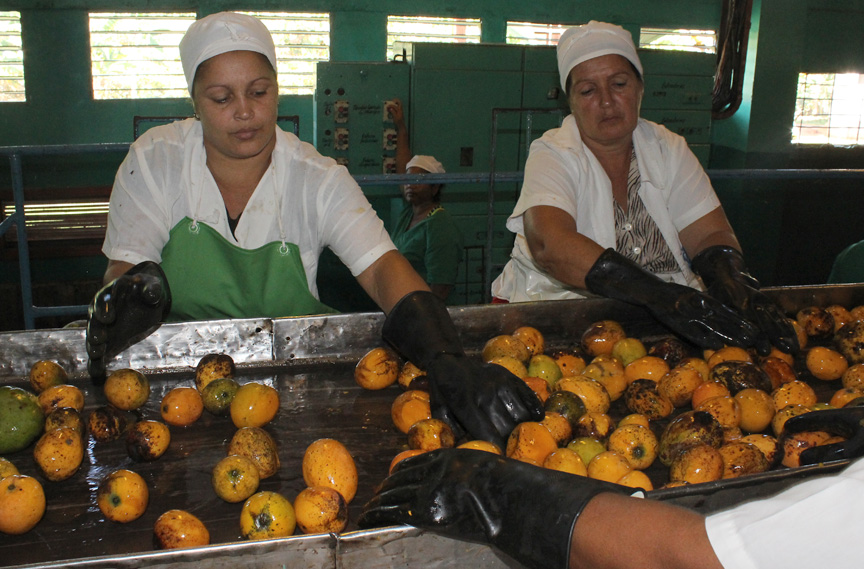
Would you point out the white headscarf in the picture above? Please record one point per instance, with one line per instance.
(220, 33)
(591, 40)
(428, 163)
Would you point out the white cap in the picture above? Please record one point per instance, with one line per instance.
(591, 40)
(428, 163)
(220, 33)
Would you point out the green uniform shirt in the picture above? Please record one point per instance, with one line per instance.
(433, 246)
(849, 265)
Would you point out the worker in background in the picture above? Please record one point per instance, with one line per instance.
(424, 232)
(224, 215)
(848, 266)
(548, 519)
(619, 206)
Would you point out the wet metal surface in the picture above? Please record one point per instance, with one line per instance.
(310, 361)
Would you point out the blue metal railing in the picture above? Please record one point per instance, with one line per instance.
(17, 218)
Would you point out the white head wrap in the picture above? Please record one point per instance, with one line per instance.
(220, 33)
(591, 40)
(428, 163)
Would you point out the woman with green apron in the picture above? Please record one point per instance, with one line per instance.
(224, 215)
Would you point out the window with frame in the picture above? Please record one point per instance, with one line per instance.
(302, 40)
(701, 41)
(137, 55)
(530, 33)
(408, 29)
(11, 58)
(829, 108)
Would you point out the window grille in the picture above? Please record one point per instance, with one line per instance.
(530, 33)
(829, 109)
(702, 41)
(408, 29)
(11, 58)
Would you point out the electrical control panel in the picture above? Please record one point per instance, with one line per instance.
(352, 122)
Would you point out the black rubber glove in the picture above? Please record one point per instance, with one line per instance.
(724, 273)
(526, 511)
(124, 312)
(847, 422)
(694, 315)
(486, 400)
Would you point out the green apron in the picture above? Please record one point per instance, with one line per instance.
(212, 279)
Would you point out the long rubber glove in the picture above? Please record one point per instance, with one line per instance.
(724, 273)
(526, 511)
(124, 312)
(847, 422)
(696, 316)
(486, 400)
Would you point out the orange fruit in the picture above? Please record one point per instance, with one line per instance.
(320, 510)
(853, 377)
(725, 409)
(7, 468)
(257, 445)
(565, 460)
(636, 479)
(267, 515)
(559, 426)
(609, 466)
(794, 393)
(840, 314)
(176, 529)
(327, 462)
(707, 390)
(592, 424)
(797, 443)
(147, 440)
(570, 364)
(591, 392)
(45, 374)
(779, 371)
(431, 434)
(403, 455)
(740, 459)
(235, 478)
(800, 333)
(646, 367)
(409, 407)
(511, 364)
(826, 364)
(212, 367)
(409, 373)
(702, 463)
(532, 338)
(601, 336)
(843, 396)
(122, 496)
(784, 414)
(65, 417)
(182, 406)
(698, 364)
(679, 384)
(635, 443)
(729, 353)
(505, 345)
(127, 389)
(378, 369)
(59, 453)
(485, 446)
(63, 395)
(635, 419)
(627, 350)
(254, 405)
(22, 503)
(530, 440)
(539, 386)
(757, 409)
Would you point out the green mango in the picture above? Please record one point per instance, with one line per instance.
(21, 419)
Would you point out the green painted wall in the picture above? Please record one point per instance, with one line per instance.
(779, 222)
